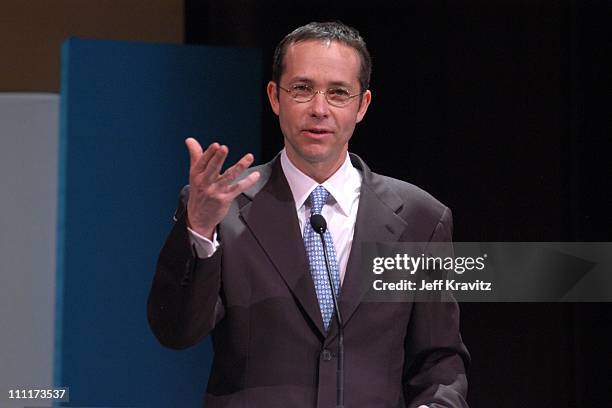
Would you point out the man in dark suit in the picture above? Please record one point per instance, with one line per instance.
(241, 262)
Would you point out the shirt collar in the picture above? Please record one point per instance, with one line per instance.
(343, 185)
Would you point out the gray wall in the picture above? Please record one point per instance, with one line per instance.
(28, 185)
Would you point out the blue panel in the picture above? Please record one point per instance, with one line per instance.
(125, 111)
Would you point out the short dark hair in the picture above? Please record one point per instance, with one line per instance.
(332, 31)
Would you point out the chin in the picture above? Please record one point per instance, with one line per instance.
(315, 154)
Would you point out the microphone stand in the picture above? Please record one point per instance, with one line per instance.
(320, 226)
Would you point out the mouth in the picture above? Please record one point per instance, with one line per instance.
(317, 132)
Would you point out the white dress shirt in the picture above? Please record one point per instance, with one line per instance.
(340, 212)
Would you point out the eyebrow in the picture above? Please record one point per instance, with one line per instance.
(310, 81)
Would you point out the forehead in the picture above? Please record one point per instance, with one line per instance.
(322, 61)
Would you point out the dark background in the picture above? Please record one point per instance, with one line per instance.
(500, 110)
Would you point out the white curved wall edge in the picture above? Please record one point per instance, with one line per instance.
(28, 203)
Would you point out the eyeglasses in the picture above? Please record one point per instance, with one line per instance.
(302, 93)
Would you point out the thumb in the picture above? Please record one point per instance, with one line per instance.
(195, 150)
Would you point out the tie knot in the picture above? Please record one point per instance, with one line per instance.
(318, 198)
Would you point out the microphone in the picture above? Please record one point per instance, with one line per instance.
(319, 225)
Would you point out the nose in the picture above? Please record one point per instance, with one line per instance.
(318, 105)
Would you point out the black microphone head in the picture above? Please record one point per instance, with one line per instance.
(318, 223)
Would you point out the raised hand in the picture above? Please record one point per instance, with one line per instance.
(211, 193)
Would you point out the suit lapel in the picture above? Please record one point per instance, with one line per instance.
(272, 219)
(377, 221)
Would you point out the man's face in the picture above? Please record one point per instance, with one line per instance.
(317, 133)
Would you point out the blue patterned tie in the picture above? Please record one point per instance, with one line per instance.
(314, 249)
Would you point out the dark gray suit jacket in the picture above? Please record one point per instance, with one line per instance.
(256, 296)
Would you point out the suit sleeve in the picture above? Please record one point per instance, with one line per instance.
(436, 358)
(184, 302)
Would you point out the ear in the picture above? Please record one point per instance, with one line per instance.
(272, 91)
(365, 102)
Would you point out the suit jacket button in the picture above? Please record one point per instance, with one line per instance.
(326, 355)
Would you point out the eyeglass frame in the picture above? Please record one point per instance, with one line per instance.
(324, 93)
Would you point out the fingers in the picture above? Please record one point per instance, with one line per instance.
(213, 167)
(244, 184)
(200, 164)
(206, 156)
(236, 170)
(206, 165)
